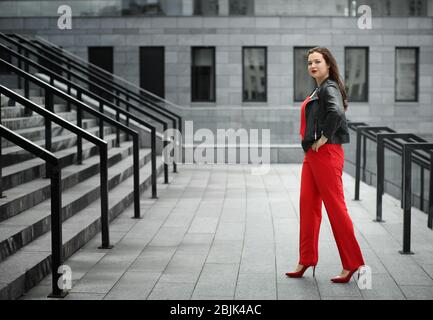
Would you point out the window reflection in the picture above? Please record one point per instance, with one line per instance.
(406, 74)
(206, 7)
(203, 74)
(254, 74)
(241, 7)
(356, 73)
(47, 8)
(303, 82)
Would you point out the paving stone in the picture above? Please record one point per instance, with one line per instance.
(241, 250)
(256, 287)
(418, 292)
(133, 285)
(172, 291)
(217, 280)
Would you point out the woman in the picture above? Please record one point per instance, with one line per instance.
(323, 130)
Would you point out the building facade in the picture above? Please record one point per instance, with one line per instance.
(242, 65)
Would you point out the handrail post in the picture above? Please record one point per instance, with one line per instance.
(407, 193)
(20, 83)
(380, 190)
(127, 110)
(360, 134)
(136, 155)
(358, 161)
(68, 104)
(79, 139)
(1, 162)
(101, 122)
(153, 160)
(408, 148)
(105, 233)
(48, 130)
(164, 144)
(380, 156)
(422, 190)
(430, 198)
(117, 129)
(56, 232)
(26, 81)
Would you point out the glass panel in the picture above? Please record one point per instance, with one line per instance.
(254, 74)
(303, 82)
(206, 7)
(241, 7)
(356, 73)
(141, 7)
(203, 74)
(396, 8)
(406, 74)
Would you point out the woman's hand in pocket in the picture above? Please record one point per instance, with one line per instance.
(316, 145)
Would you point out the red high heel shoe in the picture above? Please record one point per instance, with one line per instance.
(300, 273)
(345, 279)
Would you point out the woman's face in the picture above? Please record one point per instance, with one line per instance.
(317, 66)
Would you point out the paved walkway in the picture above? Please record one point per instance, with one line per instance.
(218, 232)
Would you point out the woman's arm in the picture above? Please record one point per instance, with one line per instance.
(333, 103)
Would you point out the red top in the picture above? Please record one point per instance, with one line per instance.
(303, 121)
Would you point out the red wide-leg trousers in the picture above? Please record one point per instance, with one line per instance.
(321, 181)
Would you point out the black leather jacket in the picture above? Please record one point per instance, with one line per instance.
(324, 115)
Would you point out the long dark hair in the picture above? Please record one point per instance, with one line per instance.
(333, 70)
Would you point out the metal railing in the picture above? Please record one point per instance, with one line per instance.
(101, 101)
(102, 118)
(385, 138)
(110, 88)
(50, 117)
(56, 201)
(80, 61)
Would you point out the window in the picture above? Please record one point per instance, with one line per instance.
(356, 73)
(254, 74)
(203, 74)
(406, 74)
(241, 7)
(206, 7)
(103, 58)
(303, 82)
(152, 72)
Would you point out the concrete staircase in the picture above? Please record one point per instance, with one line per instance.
(25, 239)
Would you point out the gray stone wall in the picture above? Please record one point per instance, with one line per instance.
(279, 34)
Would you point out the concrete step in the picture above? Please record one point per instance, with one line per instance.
(25, 195)
(38, 99)
(38, 133)
(13, 155)
(34, 121)
(22, 172)
(33, 222)
(19, 111)
(32, 91)
(28, 266)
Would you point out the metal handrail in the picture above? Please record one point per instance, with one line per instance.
(364, 132)
(98, 114)
(49, 117)
(56, 202)
(407, 150)
(129, 95)
(89, 69)
(73, 57)
(101, 101)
